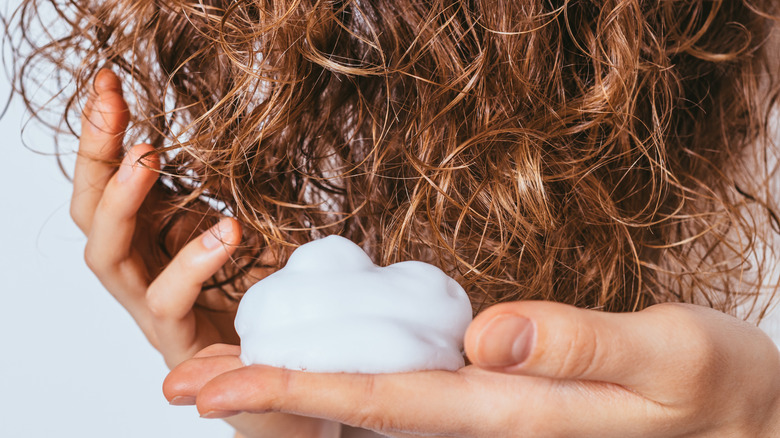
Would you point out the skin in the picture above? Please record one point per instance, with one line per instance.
(115, 210)
(672, 370)
(539, 369)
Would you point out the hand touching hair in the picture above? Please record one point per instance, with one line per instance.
(591, 153)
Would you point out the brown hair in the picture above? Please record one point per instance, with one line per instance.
(607, 154)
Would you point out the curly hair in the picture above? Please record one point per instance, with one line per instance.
(607, 154)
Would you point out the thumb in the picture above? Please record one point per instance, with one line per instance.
(559, 341)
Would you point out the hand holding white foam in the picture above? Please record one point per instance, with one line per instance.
(330, 309)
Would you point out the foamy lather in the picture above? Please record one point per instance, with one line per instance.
(330, 309)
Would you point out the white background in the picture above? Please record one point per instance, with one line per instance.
(72, 361)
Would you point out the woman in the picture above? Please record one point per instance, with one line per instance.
(607, 156)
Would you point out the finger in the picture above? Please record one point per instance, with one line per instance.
(470, 402)
(173, 293)
(114, 222)
(103, 124)
(560, 341)
(181, 386)
(109, 252)
(218, 350)
(382, 402)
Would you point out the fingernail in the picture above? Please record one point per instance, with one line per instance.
(219, 414)
(182, 400)
(95, 80)
(217, 234)
(103, 71)
(97, 115)
(506, 340)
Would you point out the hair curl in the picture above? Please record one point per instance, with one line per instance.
(608, 154)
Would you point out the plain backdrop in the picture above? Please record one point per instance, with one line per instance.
(72, 363)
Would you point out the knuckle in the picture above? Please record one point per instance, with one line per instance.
(286, 388)
(94, 259)
(158, 306)
(79, 216)
(110, 202)
(287, 381)
(580, 356)
(696, 352)
(705, 360)
(367, 415)
(369, 387)
(696, 340)
(365, 418)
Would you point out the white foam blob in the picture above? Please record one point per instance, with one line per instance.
(330, 309)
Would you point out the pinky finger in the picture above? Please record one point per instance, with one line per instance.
(173, 293)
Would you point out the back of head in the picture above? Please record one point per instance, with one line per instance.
(588, 152)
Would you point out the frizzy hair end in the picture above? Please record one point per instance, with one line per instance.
(610, 154)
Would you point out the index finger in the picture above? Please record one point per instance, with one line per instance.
(388, 403)
(103, 125)
(470, 402)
